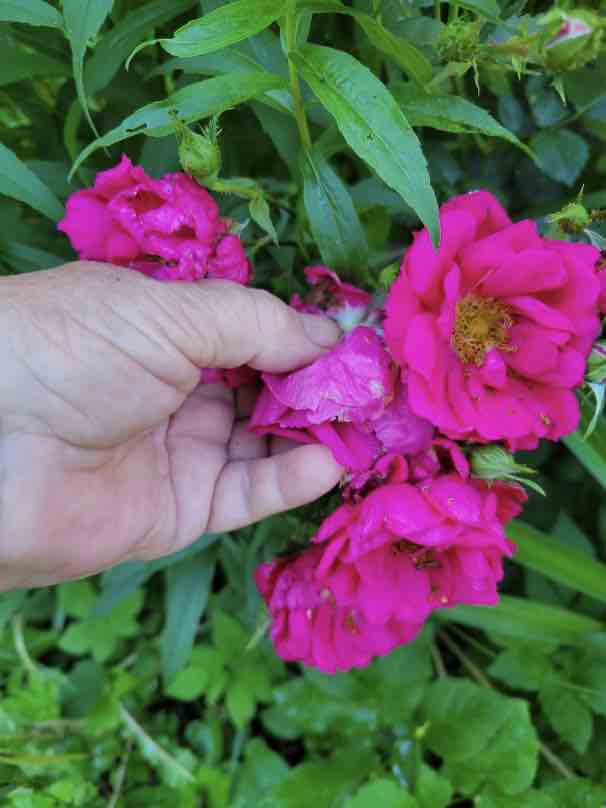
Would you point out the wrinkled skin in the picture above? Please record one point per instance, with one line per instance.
(110, 449)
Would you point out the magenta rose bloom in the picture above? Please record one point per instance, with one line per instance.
(332, 399)
(381, 566)
(169, 229)
(494, 327)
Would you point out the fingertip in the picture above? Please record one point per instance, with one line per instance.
(314, 471)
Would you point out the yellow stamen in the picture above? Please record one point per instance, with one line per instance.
(481, 324)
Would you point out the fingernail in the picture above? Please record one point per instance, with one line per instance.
(322, 331)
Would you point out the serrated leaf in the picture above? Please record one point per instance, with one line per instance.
(372, 124)
(31, 12)
(262, 769)
(483, 737)
(561, 154)
(188, 586)
(568, 715)
(450, 113)
(224, 26)
(83, 20)
(113, 49)
(19, 182)
(332, 217)
(240, 703)
(199, 100)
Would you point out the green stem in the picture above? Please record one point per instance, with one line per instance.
(295, 87)
(20, 647)
(151, 749)
(436, 10)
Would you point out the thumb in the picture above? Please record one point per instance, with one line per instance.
(222, 324)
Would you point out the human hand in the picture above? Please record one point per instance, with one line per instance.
(110, 450)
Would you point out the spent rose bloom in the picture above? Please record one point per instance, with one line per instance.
(346, 304)
(332, 399)
(378, 568)
(494, 327)
(169, 228)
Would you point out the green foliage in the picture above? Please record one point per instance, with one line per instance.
(342, 125)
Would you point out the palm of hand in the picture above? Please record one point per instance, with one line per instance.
(120, 454)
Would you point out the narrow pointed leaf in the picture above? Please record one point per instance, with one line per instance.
(372, 123)
(31, 12)
(199, 100)
(19, 182)
(540, 552)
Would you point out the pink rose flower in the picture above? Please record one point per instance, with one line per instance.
(332, 399)
(380, 567)
(494, 328)
(169, 229)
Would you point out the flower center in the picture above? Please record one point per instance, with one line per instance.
(481, 324)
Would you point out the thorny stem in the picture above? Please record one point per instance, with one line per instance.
(483, 680)
(295, 87)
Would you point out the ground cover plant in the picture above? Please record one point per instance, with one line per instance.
(315, 145)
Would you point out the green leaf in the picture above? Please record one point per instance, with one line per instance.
(568, 715)
(19, 64)
(76, 598)
(530, 799)
(259, 213)
(373, 125)
(577, 793)
(113, 49)
(561, 154)
(332, 217)
(83, 20)
(228, 635)
(483, 737)
(18, 182)
(262, 769)
(404, 54)
(591, 451)
(31, 12)
(224, 26)
(384, 793)
(538, 551)
(485, 8)
(431, 789)
(199, 100)
(450, 113)
(517, 617)
(188, 586)
(206, 667)
(240, 703)
(525, 668)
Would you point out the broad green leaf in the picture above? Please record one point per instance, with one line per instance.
(404, 53)
(561, 154)
(578, 793)
(539, 552)
(591, 451)
(206, 667)
(224, 26)
(19, 64)
(525, 668)
(373, 125)
(228, 635)
(262, 768)
(568, 715)
(188, 586)
(450, 113)
(25, 258)
(18, 182)
(83, 20)
(332, 217)
(383, 792)
(76, 598)
(517, 617)
(240, 703)
(31, 12)
(114, 47)
(431, 789)
(483, 737)
(199, 100)
(529, 799)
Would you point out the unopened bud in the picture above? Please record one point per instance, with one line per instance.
(492, 462)
(572, 218)
(576, 41)
(199, 154)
